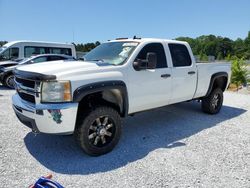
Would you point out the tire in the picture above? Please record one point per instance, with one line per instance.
(98, 131)
(213, 103)
(9, 81)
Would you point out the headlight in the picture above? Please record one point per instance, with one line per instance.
(56, 91)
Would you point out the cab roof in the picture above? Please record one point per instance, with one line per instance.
(147, 40)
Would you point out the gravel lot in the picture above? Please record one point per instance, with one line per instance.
(175, 146)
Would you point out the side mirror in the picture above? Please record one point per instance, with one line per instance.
(149, 63)
(140, 64)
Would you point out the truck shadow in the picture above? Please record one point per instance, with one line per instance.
(163, 128)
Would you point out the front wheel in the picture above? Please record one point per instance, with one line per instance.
(9, 81)
(99, 130)
(213, 103)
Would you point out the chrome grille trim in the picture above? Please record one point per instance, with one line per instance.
(33, 92)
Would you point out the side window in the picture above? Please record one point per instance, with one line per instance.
(55, 51)
(68, 52)
(39, 59)
(65, 51)
(14, 53)
(156, 48)
(5, 55)
(55, 58)
(180, 55)
(29, 51)
(10, 54)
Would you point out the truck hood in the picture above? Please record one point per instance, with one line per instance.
(63, 68)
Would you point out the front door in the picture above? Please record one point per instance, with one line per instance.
(150, 88)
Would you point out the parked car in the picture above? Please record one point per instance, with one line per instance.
(7, 67)
(24, 49)
(117, 78)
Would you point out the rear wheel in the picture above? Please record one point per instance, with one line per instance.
(213, 103)
(99, 130)
(9, 81)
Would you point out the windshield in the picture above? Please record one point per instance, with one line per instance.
(24, 61)
(115, 53)
(2, 49)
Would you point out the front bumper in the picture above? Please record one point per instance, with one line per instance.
(46, 118)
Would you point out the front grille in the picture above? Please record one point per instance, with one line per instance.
(27, 97)
(26, 83)
(26, 89)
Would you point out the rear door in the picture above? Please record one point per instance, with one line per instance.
(184, 74)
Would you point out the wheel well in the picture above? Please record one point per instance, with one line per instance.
(110, 97)
(7, 74)
(220, 82)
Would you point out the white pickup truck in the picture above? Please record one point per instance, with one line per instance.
(118, 78)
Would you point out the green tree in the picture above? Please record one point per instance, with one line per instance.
(247, 46)
(219, 47)
(239, 72)
(3, 43)
(219, 56)
(239, 48)
(86, 47)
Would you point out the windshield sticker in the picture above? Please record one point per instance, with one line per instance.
(130, 44)
(125, 51)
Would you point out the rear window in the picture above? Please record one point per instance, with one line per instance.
(180, 55)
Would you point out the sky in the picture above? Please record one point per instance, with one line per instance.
(82, 21)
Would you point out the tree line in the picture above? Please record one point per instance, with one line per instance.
(2, 43)
(86, 47)
(219, 47)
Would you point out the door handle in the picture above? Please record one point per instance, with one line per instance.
(165, 75)
(191, 72)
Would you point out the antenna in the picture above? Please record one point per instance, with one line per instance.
(73, 35)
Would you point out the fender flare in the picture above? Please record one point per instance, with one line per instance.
(85, 90)
(213, 78)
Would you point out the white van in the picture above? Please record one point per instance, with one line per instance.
(23, 49)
